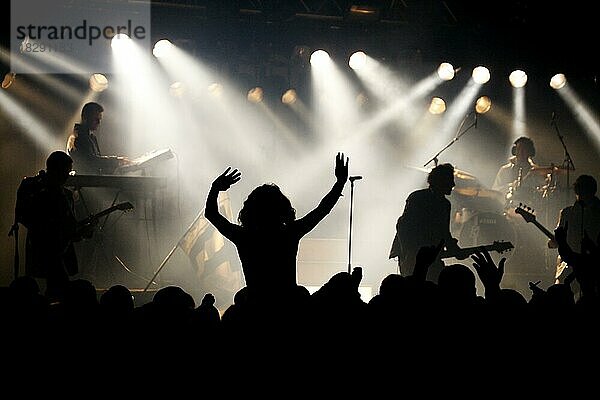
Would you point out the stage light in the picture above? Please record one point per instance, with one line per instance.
(517, 78)
(319, 57)
(446, 71)
(289, 97)
(176, 89)
(162, 48)
(358, 60)
(120, 42)
(437, 105)
(558, 81)
(255, 95)
(483, 105)
(362, 99)
(215, 89)
(98, 82)
(481, 75)
(8, 80)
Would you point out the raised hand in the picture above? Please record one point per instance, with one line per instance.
(489, 274)
(226, 179)
(341, 167)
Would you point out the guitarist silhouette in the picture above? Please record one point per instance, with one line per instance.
(582, 219)
(46, 209)
(425, 222)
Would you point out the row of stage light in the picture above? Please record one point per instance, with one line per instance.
(99, 82)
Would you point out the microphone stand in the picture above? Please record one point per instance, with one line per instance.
(351, 179)
(568, 161)
(458, 136)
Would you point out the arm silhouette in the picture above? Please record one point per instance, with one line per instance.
(310, 220)
(211, 211)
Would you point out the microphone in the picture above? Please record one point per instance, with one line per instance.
(354, 178)
(553, 120)
(475, 122)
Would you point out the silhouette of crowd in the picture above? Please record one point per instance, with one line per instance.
(407, 317)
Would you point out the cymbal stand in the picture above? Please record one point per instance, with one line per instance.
(568, 161)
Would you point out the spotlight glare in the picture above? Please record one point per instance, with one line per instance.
(445, 71)
(517, 78)
(289, 97)
(358, 60)
(162, 48)
(362, 99)
(319, 58)
(215, 89)
(558, 81)
(120, 42)
(481, 75)
(437, 105)
(8, 80)
(176, 89)
(255, 95)
(98, 82)
(483, 105)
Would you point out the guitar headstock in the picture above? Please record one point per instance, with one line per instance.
(125, 206)
(501, 247)
(525, 212)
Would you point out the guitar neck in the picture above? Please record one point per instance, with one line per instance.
(464, 252)
(100, 214)
(106, 212)
(545, 231)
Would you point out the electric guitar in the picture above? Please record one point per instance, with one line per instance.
(465, 252)
(85, 229)
(87, 223)
(528, 216)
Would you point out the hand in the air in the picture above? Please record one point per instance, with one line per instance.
(341, 167)
(489, 274)
(226, 179)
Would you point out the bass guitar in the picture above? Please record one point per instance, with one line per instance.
(528, 216)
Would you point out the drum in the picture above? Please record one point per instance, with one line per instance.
(485, 228)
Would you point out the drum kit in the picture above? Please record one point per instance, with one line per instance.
(482, 215)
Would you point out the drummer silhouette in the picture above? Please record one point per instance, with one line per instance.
(520, 178)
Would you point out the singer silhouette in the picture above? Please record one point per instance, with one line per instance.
(269, 233)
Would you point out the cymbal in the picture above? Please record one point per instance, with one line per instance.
(464, 175)
(421, 169)
(552, 169)
(459, 174)
(479, 192)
